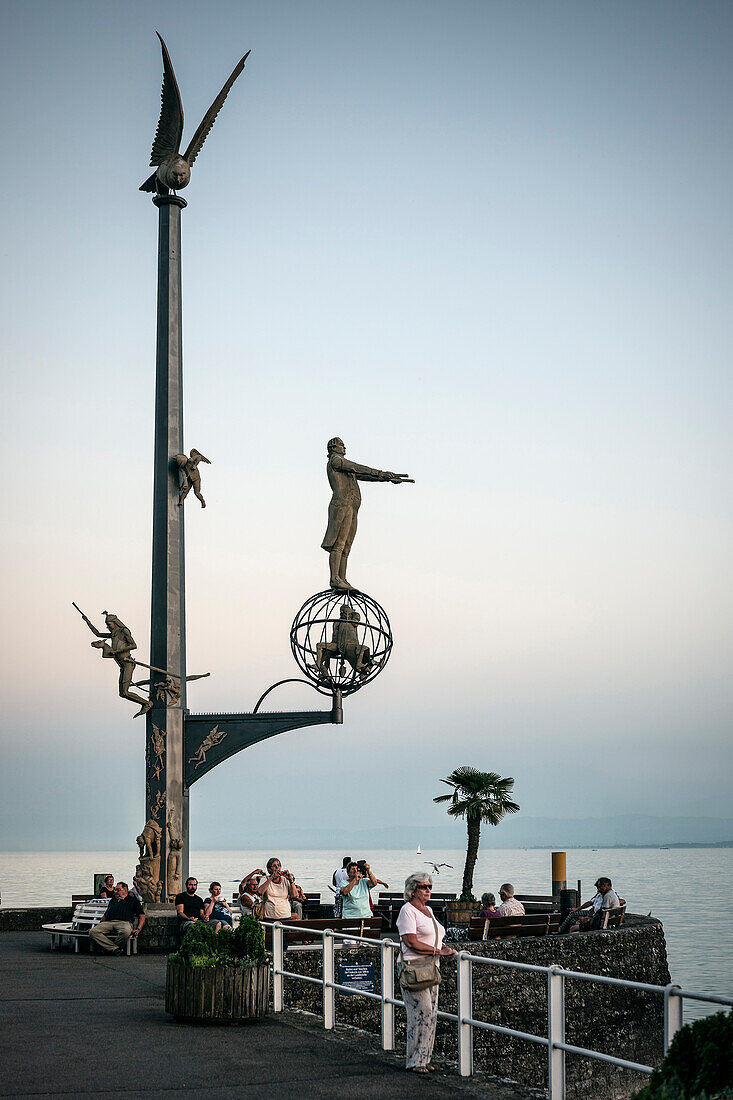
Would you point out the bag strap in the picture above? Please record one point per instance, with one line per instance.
(435, 945)
(435, 926)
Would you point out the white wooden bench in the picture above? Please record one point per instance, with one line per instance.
(86, 915)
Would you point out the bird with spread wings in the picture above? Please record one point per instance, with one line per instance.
(173, 171)
(436, 866)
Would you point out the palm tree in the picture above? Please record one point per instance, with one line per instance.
(477, 796)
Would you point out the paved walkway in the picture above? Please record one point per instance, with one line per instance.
(76, 1025)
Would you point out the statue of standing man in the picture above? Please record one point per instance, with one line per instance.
(343, 477)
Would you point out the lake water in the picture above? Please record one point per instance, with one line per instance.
(689, 890)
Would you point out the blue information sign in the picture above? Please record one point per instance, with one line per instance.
(360, 976)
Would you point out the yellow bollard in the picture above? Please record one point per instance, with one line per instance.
(559, 873)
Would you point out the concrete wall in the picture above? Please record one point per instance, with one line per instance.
(623, 1022)
(159, 934)
(30, 920)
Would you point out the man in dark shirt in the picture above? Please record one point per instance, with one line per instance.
(189, 906)
(116, 926)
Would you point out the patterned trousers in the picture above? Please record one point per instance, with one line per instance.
(422, 1017)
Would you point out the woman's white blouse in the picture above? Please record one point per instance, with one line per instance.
(412, 921)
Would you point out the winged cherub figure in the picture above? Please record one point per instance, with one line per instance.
(173, 170)
(190, 476)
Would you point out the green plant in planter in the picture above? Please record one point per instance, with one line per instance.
(698, 1065)
(477, 796)
(203, 947)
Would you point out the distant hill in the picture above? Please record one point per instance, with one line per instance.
(622, 831)
(627, 830)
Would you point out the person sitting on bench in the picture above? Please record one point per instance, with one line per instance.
(509, 907)
(107, 889)
(249, 899)
(605, 898)
(189, 906)
(297, 901)
(217, 910)
(123, 917)
(488, 907)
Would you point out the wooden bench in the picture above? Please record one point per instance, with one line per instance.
(312, 903)
(501, 928)
(393, 896)
(609, 918)
(370, 927)
(388, 905)
(604, 918)
(539, 903)
(87, 915)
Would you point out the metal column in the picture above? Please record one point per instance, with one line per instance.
(164, 792)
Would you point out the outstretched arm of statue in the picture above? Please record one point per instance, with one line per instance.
(397, 479)
(89, 623)
(366, 473)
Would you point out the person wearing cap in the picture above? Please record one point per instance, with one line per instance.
(605, 898)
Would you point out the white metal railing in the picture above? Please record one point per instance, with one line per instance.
(554, 1041)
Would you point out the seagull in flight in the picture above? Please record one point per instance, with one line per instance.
(436, 866)
(173, 171)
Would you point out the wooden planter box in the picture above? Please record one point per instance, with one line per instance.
(460, 912)
(220, 995)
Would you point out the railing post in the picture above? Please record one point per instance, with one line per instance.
(673, 1010)
(387, 948)
(555, 1032)
(278, 981)
(329, 993)
(465, 1011)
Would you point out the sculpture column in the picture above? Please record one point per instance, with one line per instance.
(166, 801)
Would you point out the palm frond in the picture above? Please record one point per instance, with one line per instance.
(478, 796)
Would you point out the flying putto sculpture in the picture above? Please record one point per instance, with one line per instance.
(173, 171)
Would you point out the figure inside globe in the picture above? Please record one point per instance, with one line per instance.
(341, 643)
(344, 644)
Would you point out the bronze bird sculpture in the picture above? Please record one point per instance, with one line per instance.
(173, 171)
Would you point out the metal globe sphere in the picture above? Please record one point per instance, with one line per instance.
(341, 640)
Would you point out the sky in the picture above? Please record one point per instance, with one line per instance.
(488, 244)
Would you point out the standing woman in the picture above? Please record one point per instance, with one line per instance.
(277, 890)
(421, 935)
(355, 891)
